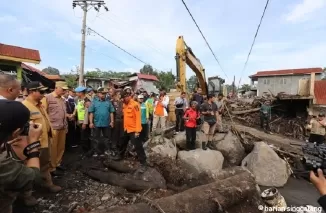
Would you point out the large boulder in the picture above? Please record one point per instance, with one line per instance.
(160, 147)
(268, 168)
(180, 139)
(201, 161)
(231, 148)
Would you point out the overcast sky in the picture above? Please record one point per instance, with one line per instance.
(292, 35)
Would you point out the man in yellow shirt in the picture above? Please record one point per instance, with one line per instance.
(38, 115)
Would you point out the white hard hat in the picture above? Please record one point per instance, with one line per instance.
(140, 96)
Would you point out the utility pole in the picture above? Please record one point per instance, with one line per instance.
(86, 5)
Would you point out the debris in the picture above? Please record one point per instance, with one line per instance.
(106, 197)
(273, 198)
(240, 187)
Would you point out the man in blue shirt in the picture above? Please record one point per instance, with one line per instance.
(101, 116)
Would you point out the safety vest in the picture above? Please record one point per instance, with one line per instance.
(81, 110)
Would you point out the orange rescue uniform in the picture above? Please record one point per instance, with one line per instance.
(131, 117)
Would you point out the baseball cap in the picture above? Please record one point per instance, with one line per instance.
(102, 90)
(125, 94)
(80, 89)
(61, 84)
(35, 85)
(12, 111)
(140, 96)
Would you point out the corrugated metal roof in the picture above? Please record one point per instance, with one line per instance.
(320, 92)
(288, 72)
(19, 52)
(147, 77)
(33, 69)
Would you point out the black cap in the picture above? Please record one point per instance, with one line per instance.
(13, 115)
(125, 94)
(321, 114)
(35, 85)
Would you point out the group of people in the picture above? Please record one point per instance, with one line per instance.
(36, 129)
(205, 112)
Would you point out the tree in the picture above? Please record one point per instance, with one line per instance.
(166, 80)
(51, 71)
(192, 83)
(245, 87)
(107, 74)
(148, 69)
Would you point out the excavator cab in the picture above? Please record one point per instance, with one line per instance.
(215, 85)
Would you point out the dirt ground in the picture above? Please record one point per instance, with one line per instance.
(84, 193)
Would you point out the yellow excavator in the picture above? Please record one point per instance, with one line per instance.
(185, 56)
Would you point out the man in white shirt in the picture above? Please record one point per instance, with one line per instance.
(9, 87)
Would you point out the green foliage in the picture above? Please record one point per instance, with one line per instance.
(51, 71)
(192, 83)
(107, 74)
(245, 87)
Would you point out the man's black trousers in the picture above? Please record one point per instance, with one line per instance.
(136, 142)
(179, 127)
(101, 140)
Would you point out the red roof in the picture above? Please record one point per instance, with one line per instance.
(147, 77)
(33, 69)
(19, 52)
(287, 72)
(53, 77)
(320, 92)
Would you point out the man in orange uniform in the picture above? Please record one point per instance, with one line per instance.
(132, 128)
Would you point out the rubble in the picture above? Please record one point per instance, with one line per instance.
(246, 112)
(175, 176)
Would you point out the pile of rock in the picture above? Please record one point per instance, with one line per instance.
(227, 151)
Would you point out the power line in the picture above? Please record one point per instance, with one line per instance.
(253, 42)
(86, 5)
(135, 36)
(117, 46)
(204, 37)
(94, 50)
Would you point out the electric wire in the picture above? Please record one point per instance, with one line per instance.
(218, 62)
(136, 37)
(253, 42)
(135, 57)
(94, 50)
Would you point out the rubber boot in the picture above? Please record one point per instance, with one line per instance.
(28, 199)
(48, 184)
(204, 145)
(210, 145)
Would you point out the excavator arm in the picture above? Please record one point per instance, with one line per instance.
(185, 56)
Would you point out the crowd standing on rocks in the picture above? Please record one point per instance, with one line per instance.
(203, 155)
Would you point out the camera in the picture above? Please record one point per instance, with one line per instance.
(25, 129)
